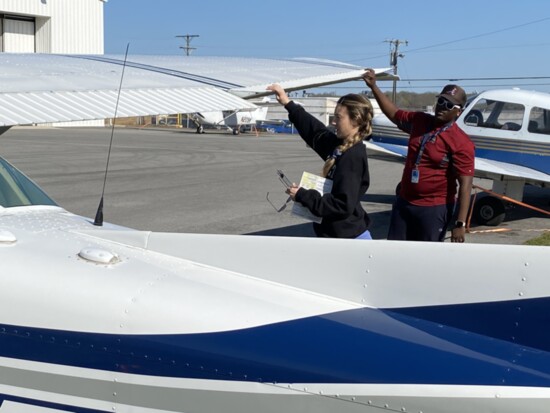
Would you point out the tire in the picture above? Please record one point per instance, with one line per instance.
(489, 211)
(236, 131)
(200, 129)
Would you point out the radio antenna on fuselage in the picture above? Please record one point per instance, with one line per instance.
(99, 214)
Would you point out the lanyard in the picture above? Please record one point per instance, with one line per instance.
(427, 137)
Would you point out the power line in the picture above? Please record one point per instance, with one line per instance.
(458, 40)
(467, 49)
(438, 86)
(456, 79)
(481, 34)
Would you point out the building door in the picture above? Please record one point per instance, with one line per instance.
(18, 34)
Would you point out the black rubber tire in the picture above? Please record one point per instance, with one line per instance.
(489, 211)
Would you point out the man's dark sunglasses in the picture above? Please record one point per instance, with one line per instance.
(446, 104)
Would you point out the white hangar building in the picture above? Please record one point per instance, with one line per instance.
(51, 26)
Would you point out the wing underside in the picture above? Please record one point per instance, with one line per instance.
(487, 168)
(43, 88)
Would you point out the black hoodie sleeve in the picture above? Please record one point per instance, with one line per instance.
(312, 130)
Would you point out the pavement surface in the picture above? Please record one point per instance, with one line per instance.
(178, 181)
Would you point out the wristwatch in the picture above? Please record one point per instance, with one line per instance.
(459, 224)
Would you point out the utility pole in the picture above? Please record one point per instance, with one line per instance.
(394, 54)
(188, 38)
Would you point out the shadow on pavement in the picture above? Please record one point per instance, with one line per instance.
(378, 229)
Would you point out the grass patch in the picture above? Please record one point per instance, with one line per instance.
(544, 239)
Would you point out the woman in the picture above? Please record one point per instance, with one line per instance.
(346, 164)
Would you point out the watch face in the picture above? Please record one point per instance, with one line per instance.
(459, 224)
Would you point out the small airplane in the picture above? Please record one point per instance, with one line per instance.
(110, 319)
(511, 131)
(236, 121)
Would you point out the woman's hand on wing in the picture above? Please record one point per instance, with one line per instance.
(280, 93)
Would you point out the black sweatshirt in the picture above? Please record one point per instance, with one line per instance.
(341, 211)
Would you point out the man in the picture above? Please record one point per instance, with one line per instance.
(439, 155)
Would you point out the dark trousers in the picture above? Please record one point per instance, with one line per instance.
(419, 223)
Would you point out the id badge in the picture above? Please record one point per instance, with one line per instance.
(415, 176)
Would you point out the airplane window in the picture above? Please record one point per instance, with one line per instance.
(18, 190)
(496, 115)
(511, 116)
(539, 121)
(477, 115)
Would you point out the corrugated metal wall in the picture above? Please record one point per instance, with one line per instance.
(77, 25)
(59, 26)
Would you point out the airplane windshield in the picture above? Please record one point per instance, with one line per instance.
(18, 190)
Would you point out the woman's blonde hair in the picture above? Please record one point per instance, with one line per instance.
(360, 112)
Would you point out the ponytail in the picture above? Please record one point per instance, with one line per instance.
(361, 112)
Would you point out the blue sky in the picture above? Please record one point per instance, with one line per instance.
(446, 40)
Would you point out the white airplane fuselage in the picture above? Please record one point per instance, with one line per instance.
(113, 319)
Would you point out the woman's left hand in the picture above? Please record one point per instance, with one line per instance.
(292, 191)
(280, 93)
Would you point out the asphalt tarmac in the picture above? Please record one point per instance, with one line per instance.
(178, 181)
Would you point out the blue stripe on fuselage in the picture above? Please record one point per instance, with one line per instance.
(520, 321)
(539, 162)
(356, 346)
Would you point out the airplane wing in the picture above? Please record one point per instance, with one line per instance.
(397, 152)
(44, 88)
(388, 142)
(488, 168)
(484, 168)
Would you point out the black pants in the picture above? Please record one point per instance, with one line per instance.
(419, 223)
